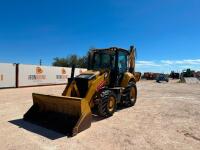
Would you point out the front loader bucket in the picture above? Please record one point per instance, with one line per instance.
(68, 115)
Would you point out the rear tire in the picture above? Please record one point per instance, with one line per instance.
(132, 95)
(107, 104)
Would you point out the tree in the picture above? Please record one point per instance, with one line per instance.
(79, 62)
(82, 62)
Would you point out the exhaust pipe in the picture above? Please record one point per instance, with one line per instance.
(72, 72)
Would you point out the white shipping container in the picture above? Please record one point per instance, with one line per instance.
(7, 75)
(32, 75)
(79, 71)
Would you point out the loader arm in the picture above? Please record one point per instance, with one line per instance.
(95, 86)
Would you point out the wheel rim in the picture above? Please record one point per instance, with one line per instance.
(111, 103)
(132, 94)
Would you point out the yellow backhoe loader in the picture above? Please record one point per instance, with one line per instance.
(110, 81)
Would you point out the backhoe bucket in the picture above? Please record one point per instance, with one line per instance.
(68, 115)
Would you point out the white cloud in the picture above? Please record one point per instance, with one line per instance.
(167, 62)
(147, 63)
(182, 62)
(167, 65)
(191, 62)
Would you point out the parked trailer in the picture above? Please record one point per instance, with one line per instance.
(150, 75)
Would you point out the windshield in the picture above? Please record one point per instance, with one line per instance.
(103, 61)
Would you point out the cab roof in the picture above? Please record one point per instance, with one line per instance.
(111, 49)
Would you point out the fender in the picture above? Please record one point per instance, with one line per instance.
(127, 78)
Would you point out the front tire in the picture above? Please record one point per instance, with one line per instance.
(107, 104)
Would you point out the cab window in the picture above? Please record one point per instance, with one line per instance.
(122, 62)
(96, 61)
(103, 60)
(105, 63)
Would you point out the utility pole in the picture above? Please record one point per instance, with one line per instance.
(40, 62)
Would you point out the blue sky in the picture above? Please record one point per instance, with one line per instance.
(165, 32)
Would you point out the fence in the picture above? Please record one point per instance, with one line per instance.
(21, 75)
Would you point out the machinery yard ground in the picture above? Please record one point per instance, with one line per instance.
(166, 116)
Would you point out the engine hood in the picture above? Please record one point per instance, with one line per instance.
(89, 74)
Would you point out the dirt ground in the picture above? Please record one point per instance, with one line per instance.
(166, 116)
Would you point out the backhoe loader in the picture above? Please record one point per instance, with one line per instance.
(110, 81)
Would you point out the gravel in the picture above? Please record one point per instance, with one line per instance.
(166, 116)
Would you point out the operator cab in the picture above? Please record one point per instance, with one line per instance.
(113, 60)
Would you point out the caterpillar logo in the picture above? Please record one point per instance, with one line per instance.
(39, 70)
(1, 77)
(63, 71)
